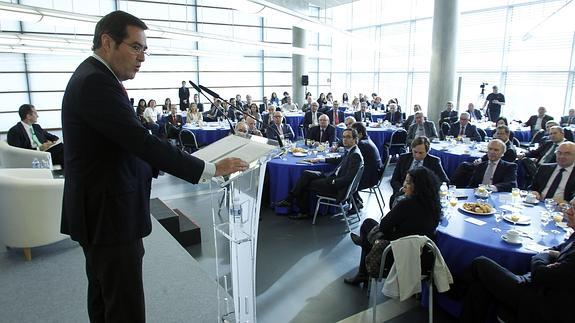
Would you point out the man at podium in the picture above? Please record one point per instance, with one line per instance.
(333, 183)
(110, 161)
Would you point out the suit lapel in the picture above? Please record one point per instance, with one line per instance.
(569, 187)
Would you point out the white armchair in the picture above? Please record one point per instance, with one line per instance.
(15, 157)
(31, 209)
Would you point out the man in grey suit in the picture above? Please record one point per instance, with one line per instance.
(421, 128)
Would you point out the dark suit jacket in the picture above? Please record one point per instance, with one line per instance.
(329, 134)
(543, 176)
(533, 120)
(357, 116)
(408, 122)
(470, 131)
(430, 131)
(177, 123)
(476, 114)
(504, 177)
(447, 116)
(349, 165)
(404, 163)
(541, 151)
(109, 158)
(286, 129)
(340, 116)
(397, 117)
(565, 121)
(307, 119)
(372, 163)
(18, 137)
(184, 94)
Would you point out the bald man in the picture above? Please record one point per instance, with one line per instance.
(556, 180)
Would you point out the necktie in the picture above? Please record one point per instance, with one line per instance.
(462, 131)
(321, 135)
(35, 138)
(280, 131)
(488, 176)
(335, 118)
(363, 116)
(341, 163)
(555, 184)
(416, 163)
(391, 118)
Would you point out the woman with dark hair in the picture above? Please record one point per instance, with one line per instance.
(418, 212)
(140, 110)
(307, 95)
(344, 100)
(274, 99)
(501, 121)
(254, 112)
(167, 105)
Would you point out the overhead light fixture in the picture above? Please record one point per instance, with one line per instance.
(10, 11)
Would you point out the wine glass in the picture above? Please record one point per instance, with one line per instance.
(452, 202)
(550, 204)
(544, 218)
(557, 217)
(515, 195)
(498, 217)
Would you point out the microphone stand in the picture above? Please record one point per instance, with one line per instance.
(232, 130)
(215, 95)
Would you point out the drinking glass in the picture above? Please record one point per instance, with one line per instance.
(498, 217)
(452, 203)
(516, 195)
(544, 219)
(550, 205)
(557, 217)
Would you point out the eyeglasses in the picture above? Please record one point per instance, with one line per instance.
(137, 49)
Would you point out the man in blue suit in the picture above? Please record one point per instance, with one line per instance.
(464, 129)
(335, 116)
(110, 160)
(283, 129)
(324, 132)
(500, 175)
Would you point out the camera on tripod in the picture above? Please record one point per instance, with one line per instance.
(482, 86)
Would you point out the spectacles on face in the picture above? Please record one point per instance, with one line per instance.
(138, 49)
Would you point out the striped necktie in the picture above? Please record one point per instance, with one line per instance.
(35, 138)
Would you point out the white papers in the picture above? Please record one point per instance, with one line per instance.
(475, 221)
(234, 146)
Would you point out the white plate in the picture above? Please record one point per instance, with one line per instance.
(504, 238)
(299, 154)
(475, 213)
(523, 219)
(561, 224)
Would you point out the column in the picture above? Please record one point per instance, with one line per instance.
(299, 66)
(442, 80)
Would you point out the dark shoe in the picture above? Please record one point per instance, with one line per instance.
(359, 205)
(355, 238)
(284, 203)
(300, 216)
(356, 280)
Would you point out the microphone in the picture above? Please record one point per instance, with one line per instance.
(215, 95)
(232, 130)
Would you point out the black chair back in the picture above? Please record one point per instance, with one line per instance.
(516, 142)
(462, 175)
(188, 141)
(445, 127)
(482, 134)
(397, 143)
(568, 134)
(537, 137)
(354, 184)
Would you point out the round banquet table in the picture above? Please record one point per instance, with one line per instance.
(294, 119)
(284, 174)
(209, 133)
(379, 135)
(453, 155)
(460, 241)
(374, 114)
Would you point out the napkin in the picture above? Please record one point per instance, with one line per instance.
(475, 221)
(535, 247)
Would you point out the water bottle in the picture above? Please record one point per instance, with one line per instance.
(237, 211)
(443, 190)
(45, 164)
(35, 163)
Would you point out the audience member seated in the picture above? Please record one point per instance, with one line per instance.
(393, 101)
(556, 180)
(216, 111)
(501, 121)
(253, 111)
(377, 105)
(568, 119)
(167, 106)
(307, 106)
(448, 115)
(421, 128)
(502, 133)
(274, 100)
(393, 116)
(371, 161)
(362, 115)
(334, 184)
(538, 296)
(264, 104)
(231, 110)
(311, 118)
(252, 127)
(544, 153)
(500, 175)
(537, 122)
(193, 115)
(289, 106)
(140, 109)
(150, 113)
(411, 119)
(335, 116)
(28, 134)
(238, 103)
(173, 123)
(418, 212)
(241, 128)
(464, 129)
(199, 105)
(324, 132)
(355, 104)
(283, 129)
(322, 101)
(419, 156)
(267, 118)
(247, 105)
(474, 114)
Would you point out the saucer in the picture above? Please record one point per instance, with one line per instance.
(504, 238)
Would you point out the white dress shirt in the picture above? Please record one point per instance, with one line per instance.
(564, 178)
(28, 129)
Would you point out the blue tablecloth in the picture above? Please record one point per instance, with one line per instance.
(379, 136)
(294, 120)
(452, 156)
(523, 134)
(209, 133)
(284, 174)
(460, 242)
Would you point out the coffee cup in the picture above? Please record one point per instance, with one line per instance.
(513, 236)
(530, 198)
